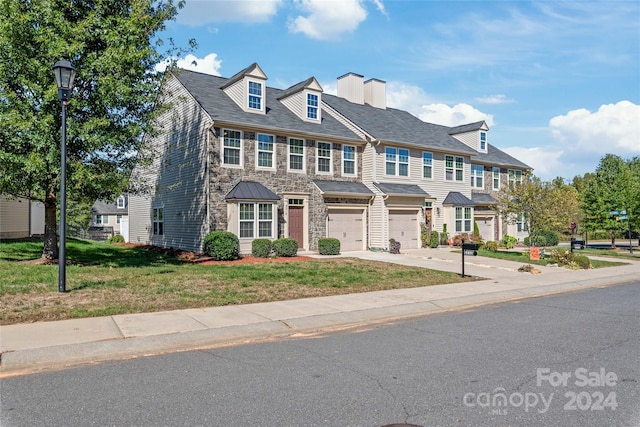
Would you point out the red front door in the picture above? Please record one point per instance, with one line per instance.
(296, 224)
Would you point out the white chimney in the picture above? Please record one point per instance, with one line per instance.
(375, 93)
(351, 88)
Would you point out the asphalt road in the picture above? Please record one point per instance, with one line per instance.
(571, 360)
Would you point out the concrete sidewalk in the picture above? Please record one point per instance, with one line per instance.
(50, 345)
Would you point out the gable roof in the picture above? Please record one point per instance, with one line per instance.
(495, 156)
(455, 198)
(346, 188)
(250, 70)
(391, 125)
(207, 91)
(401, 189)
(469, 127)
(311, 82)
(250, 190)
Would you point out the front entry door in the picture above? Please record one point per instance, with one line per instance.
(296, 224)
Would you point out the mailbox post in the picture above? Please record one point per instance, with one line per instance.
(470, 249)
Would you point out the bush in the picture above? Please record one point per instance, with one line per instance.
(434, 241)
(261, 248)
(329, 246)
(509, 241)
(286, 247)
(458, 238)
(222, 245)
(542, 238)
(582, 261)
(491, 246)
(537, 241)
(116, 239)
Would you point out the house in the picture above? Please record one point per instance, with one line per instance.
(109, 218)
(235, 154)
(20, 218)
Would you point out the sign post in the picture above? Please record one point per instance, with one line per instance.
(468, 249)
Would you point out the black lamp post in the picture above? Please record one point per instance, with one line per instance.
(65, 73)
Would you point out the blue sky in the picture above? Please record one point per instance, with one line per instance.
(558, 83)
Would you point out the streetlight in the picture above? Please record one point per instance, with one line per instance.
(65, 73)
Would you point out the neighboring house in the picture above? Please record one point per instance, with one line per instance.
(109, 218)
(20, 218)
(236, 155)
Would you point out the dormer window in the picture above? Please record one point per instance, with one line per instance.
(255, 95)
(120, 202)
(483, 141)
(312, 106)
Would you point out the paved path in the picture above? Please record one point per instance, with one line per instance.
(47, 345)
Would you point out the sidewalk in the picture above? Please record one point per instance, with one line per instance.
(50, 345)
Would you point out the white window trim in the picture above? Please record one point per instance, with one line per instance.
(304, 150)
(515, 180)
(159, 221)
(118, 219)
(330, 158)
(256, 219)
(462, 220)
(119, 202)
(423, 165)
(317, 107)
(354, 160)
(261, 96)
(273, 152)
(398, 162)
(454, 169)
(241, 148)
(486, 141)
(493, 182)
(474, 177)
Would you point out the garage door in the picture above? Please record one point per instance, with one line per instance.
(347, 226)
(403, 228)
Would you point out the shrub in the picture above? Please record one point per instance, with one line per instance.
(222, 245)
(434, 240)
(542, 238)
(535, 241)
(491, 245)
(261, 248)
(286, 247)
(458, 238)
(508, 241)
(116, 239)
(582, 261)
(329, 246)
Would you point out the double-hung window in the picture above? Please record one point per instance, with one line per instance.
(265, 151)
(522, 225)
(477, 172)
(464, 219)
(324, 157)
(483, 141)
(453, 168)
(118, 219)
(296, 154)
(120, 202)
(158, 221)
(255, 96)
(256, 220)
(348, 160)
(427, 165)
(102, 219)
(496, 178)
(312, 106)
(231, 147)
(515, 178)
(397, 161)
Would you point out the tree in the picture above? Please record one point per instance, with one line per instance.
(546, 205)
(114, 47)
(616, 186)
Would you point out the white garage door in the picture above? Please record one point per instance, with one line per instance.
(347, 226)
(403, 228)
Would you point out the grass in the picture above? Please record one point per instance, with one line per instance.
(105, 279)
(522, 256)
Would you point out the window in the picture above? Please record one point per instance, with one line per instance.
(496, 178)
(324, 157)
(522, 225)
(483, 141)
(348, 160)
(249, 227)
(102, 219)
(477, 172)
(158, 221)
(255, 96)
(231, 147)
(463, 220)
(296, 154)
(397, 159)
(120, 202)
(118, 219)
(312, 106)
(265, 151)
(427, 165)
(453, 168)
(515, 178)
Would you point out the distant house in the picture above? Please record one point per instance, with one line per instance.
(109, 219)
(234, 154)
(20, 218)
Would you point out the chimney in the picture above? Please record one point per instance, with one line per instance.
(351, 88)
(375, 93)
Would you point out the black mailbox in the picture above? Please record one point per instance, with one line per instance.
(470, 248)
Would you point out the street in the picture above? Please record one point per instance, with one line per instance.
(571, 359)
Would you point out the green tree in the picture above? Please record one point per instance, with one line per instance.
(615, 186)
(115, 48)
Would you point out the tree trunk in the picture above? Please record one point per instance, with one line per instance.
(50, 249)
(613, 239)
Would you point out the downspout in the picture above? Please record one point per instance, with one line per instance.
(208, 180)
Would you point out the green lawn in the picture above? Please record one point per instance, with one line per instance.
(523, 257)
(104, 279)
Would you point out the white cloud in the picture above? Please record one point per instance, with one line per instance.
(546, 162)
(494, 99)
(614, 128)
(328, 20)
(459, 114)
(210, 64)
(201, 12)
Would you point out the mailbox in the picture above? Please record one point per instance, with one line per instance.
(470, 248)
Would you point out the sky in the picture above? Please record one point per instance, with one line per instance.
(558, 83)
